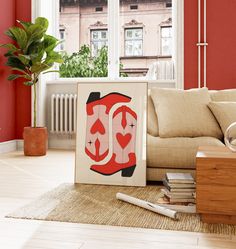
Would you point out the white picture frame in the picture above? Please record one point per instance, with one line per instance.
(111, 133)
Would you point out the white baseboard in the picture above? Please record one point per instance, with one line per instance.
(11, 145)
(53, 143)
(8, 146)
(19, 144)
(61, 142)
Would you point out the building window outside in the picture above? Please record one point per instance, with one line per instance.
(166, 40)
(62, 38)
(99, 9)
(99, 39)
(133, 7)
(133, 42)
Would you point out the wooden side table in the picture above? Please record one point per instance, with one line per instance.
(216, 185)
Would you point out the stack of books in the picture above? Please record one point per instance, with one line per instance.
(179, 188)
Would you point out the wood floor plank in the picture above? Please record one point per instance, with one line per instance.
(27, 243)
(75, 233)
(137, 245)
(217, 243)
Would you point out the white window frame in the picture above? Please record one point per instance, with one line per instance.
(178, 41)
(47, 9)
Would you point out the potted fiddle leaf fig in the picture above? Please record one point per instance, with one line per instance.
(31, 53)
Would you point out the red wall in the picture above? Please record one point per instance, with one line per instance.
(7, 88)
(23, 93)
(15, 98)
(221, 51)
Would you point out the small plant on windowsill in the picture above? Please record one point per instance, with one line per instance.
(31, 53)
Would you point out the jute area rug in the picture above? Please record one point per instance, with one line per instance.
(97, 204)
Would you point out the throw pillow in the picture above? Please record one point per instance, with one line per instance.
(184, 113)
(225, 113)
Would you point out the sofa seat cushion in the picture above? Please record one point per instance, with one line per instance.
(184, 113)
(225, 113)
(176, 152)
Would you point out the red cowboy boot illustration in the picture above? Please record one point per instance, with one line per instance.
(97, 136)
(124, 138)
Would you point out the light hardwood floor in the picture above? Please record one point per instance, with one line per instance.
(23, 179)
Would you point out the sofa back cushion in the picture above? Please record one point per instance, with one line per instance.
(184, 113)
(223, 95)
(225, 113)
(152, 122)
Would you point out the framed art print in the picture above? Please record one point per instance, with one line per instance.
(111, 134)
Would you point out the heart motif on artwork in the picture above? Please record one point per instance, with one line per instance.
(97, 127)
(123, 140)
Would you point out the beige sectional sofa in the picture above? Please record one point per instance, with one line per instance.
(176, 153)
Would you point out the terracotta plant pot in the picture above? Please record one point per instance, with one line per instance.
(35, 141)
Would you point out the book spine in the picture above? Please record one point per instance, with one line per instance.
(166, 185)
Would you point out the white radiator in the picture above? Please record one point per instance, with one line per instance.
(63, 113)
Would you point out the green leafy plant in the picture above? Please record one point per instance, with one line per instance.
(82, 64)
(31, 53)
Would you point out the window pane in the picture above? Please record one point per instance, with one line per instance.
(143, 42)
(94, 35)
(62, 37)
(129, 48)
(86, 38)
(137, 48)
(166, 46)
(104, 34)
(129, 34)
(138, 33)
(166, 31)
